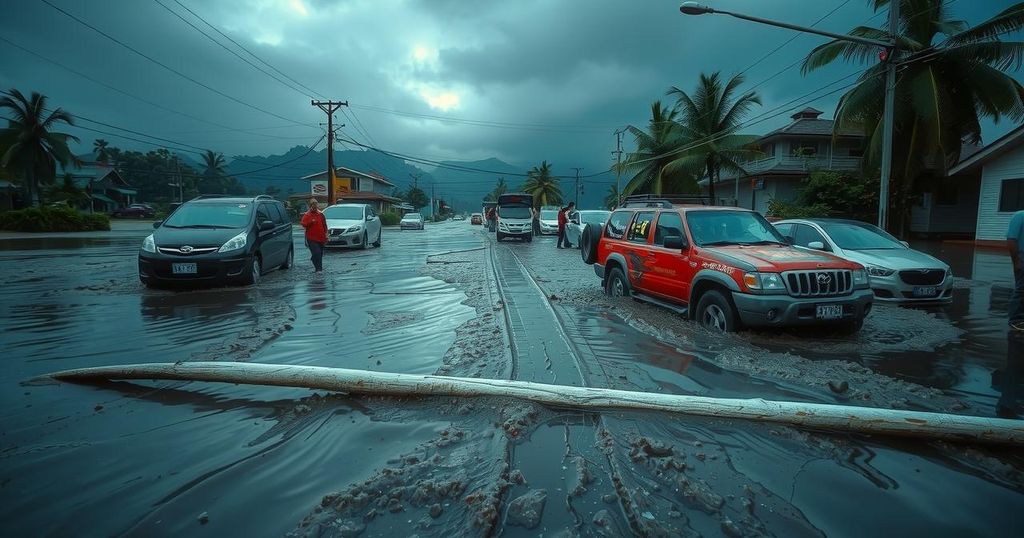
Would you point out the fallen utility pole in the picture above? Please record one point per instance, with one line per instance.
(329, 107)
(810, 415)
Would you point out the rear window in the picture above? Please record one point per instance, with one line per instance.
(210, 216)
(616, 228)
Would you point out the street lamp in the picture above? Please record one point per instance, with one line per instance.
(696, 8)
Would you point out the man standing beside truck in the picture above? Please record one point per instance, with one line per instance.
(563, 219)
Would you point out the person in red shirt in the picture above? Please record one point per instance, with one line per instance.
(316, 234)
(563, 219)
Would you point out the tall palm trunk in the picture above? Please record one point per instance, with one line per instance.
(31, 189)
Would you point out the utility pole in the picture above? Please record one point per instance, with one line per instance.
(415, 179)
(618, 166)
(329, 107)
(431, 200)
(576, 191)
(181, 183)
(888, 117)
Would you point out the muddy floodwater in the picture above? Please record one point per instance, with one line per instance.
(204, 459)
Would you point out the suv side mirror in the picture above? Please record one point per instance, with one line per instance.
(157, 223)
(267, 225)
(816, 245)
(675, 242)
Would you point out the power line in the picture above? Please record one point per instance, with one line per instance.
(171, 69)
(795, 36)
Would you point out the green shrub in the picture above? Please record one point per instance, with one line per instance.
(390, 219)
(778, 209)
(52, 219)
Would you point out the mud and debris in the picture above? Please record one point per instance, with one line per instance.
(527, 509)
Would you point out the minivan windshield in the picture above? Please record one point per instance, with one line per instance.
(860, 236)
(514, 212)
(344, 212)
(235, 215)
(711, 228)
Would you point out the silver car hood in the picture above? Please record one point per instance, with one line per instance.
(903, 258)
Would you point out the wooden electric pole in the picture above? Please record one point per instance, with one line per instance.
(576, 191)
(329, 107)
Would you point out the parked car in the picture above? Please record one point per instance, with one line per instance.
(724, 267)
(218, 240)
(476, 219)
(579, 219)
(515, 218)
(549, 220)
(897, 272)
(411, 221)
(352, 225)
(459, 217)
(138, 211)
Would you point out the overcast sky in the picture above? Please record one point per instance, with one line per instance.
(538, 79)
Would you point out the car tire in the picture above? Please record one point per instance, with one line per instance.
(254, 272)
(377, 242)
(289, 260)
(364, 245)
(715, 312)
(589, 238)
(617, 284)
(500, 236)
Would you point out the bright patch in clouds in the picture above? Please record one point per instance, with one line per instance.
(298, 7)
(440, 100)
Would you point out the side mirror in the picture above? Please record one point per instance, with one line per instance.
(816, 245)
(267, 225)
(157, 223)
(789, 239)
(369, 218)
(675, 242)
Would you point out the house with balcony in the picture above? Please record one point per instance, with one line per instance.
(791, 153)
(353, 187)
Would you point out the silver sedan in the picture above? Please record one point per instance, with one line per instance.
(579, 219)
(897, 272)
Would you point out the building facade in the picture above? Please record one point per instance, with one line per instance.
(355, 187)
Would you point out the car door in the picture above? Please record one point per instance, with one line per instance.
(638, 252)
(268, 244)
(283, 236)
(670, 272)
(804, 235)
(372, 224)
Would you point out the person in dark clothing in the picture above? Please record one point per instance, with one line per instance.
(316, 234)
(563, 219)
(535, 214)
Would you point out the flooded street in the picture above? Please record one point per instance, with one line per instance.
(172, 458)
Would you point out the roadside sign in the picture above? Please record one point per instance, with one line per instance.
(318, 188)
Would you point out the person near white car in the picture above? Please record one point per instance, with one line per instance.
(579, 219)
(897, 272)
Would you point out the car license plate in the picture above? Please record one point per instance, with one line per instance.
(829, 311)
(925, 291)
(183, 268)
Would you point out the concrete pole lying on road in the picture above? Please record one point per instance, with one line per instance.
(820, 416)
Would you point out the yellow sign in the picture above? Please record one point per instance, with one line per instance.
(342, 186)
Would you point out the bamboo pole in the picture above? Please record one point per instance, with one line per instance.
(810, 415)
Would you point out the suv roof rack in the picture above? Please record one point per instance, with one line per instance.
(664, 200)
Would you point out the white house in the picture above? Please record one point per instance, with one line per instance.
(357, 187)
(999, 167)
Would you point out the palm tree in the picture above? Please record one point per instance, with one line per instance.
(710, 118)
(950, 77)
(655, 150)
(29, 146)
(99, 146)
(543, 186)
(215, 164)
(611, 200)
(500, 188)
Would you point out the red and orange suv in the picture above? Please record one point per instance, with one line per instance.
(725, 267)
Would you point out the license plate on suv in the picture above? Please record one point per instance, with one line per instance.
(925, 291)
(829, 311)
(183, 268)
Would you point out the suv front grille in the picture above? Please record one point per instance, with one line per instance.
(923, 277)
(175, 251)
(819, 283)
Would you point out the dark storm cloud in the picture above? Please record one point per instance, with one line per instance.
(565, 73)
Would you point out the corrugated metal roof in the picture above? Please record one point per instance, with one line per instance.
(812, 127)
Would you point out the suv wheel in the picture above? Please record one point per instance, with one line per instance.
(289, 260)
(590, 235)
(617, 285)
(715, 312)
(252, 276)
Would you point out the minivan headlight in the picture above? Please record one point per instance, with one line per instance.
(235, 243)
(764, 281)
(149, 244)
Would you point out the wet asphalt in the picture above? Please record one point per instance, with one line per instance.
(149, 458)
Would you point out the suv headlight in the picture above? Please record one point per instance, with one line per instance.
(878, 270)
(235, 242)
(860, 278)
(764, 281)
(149, 244)
(355, 228)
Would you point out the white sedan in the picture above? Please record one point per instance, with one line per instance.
(579, 219)
(548, 221)
(897, 272)
(352, 225)
(411, 221)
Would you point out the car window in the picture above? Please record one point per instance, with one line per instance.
(641, 229)
(276, 214)
(616, 228)
(370, 213)
(669, 224)
(805, 235)
(785, 229)
(263, 213)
